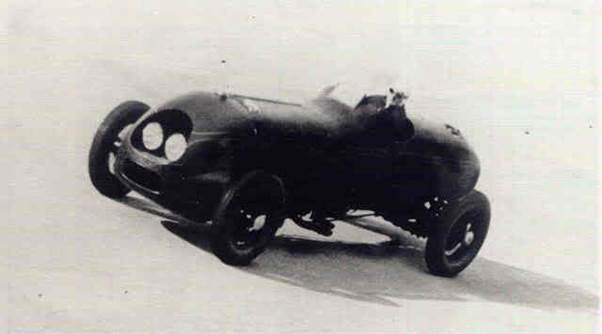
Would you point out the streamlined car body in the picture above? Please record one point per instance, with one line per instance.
(246, 164)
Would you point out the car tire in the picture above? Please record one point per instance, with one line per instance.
(457, 234)
(234, 238)
(106, 142)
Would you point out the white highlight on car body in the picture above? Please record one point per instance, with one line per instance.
(251, 106)
(175, 146)
(152, 136)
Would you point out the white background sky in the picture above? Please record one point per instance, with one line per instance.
(494, 69)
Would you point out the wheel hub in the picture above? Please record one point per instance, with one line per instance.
(462, 241)
(468, 235)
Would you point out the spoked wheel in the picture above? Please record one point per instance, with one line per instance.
(107, 143)
(247, 218)
(457, 235)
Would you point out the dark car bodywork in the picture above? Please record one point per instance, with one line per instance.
(329, 156)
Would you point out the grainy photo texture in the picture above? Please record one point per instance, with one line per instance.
(308, 167)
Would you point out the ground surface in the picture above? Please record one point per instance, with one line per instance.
(75, 261)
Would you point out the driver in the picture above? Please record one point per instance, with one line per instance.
(382, 120)
(396, 109)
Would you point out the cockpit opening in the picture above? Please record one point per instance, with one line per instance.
(382, 119)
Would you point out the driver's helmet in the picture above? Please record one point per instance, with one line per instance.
(397, 97)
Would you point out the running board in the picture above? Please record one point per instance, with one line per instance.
(361, 221)
(151, 207)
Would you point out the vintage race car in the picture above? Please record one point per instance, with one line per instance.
(244, 165)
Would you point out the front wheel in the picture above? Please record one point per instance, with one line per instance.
(107, 142)
(247, 218)
(456, 236)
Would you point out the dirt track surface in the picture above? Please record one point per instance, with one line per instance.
(73, 261)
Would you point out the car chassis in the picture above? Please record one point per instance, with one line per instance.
(239, 166)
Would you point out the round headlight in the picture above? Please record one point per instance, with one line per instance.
(152, 136)
(175, 146)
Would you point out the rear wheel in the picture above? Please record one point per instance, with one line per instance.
(457, 234)
(247, 218)
(106, 144)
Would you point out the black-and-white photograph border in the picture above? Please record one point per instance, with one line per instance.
(272, 166)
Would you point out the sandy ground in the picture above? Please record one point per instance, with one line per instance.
(73, 261)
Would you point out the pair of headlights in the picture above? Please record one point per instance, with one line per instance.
(153, 136)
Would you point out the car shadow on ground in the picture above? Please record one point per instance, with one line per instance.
(387, 272)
